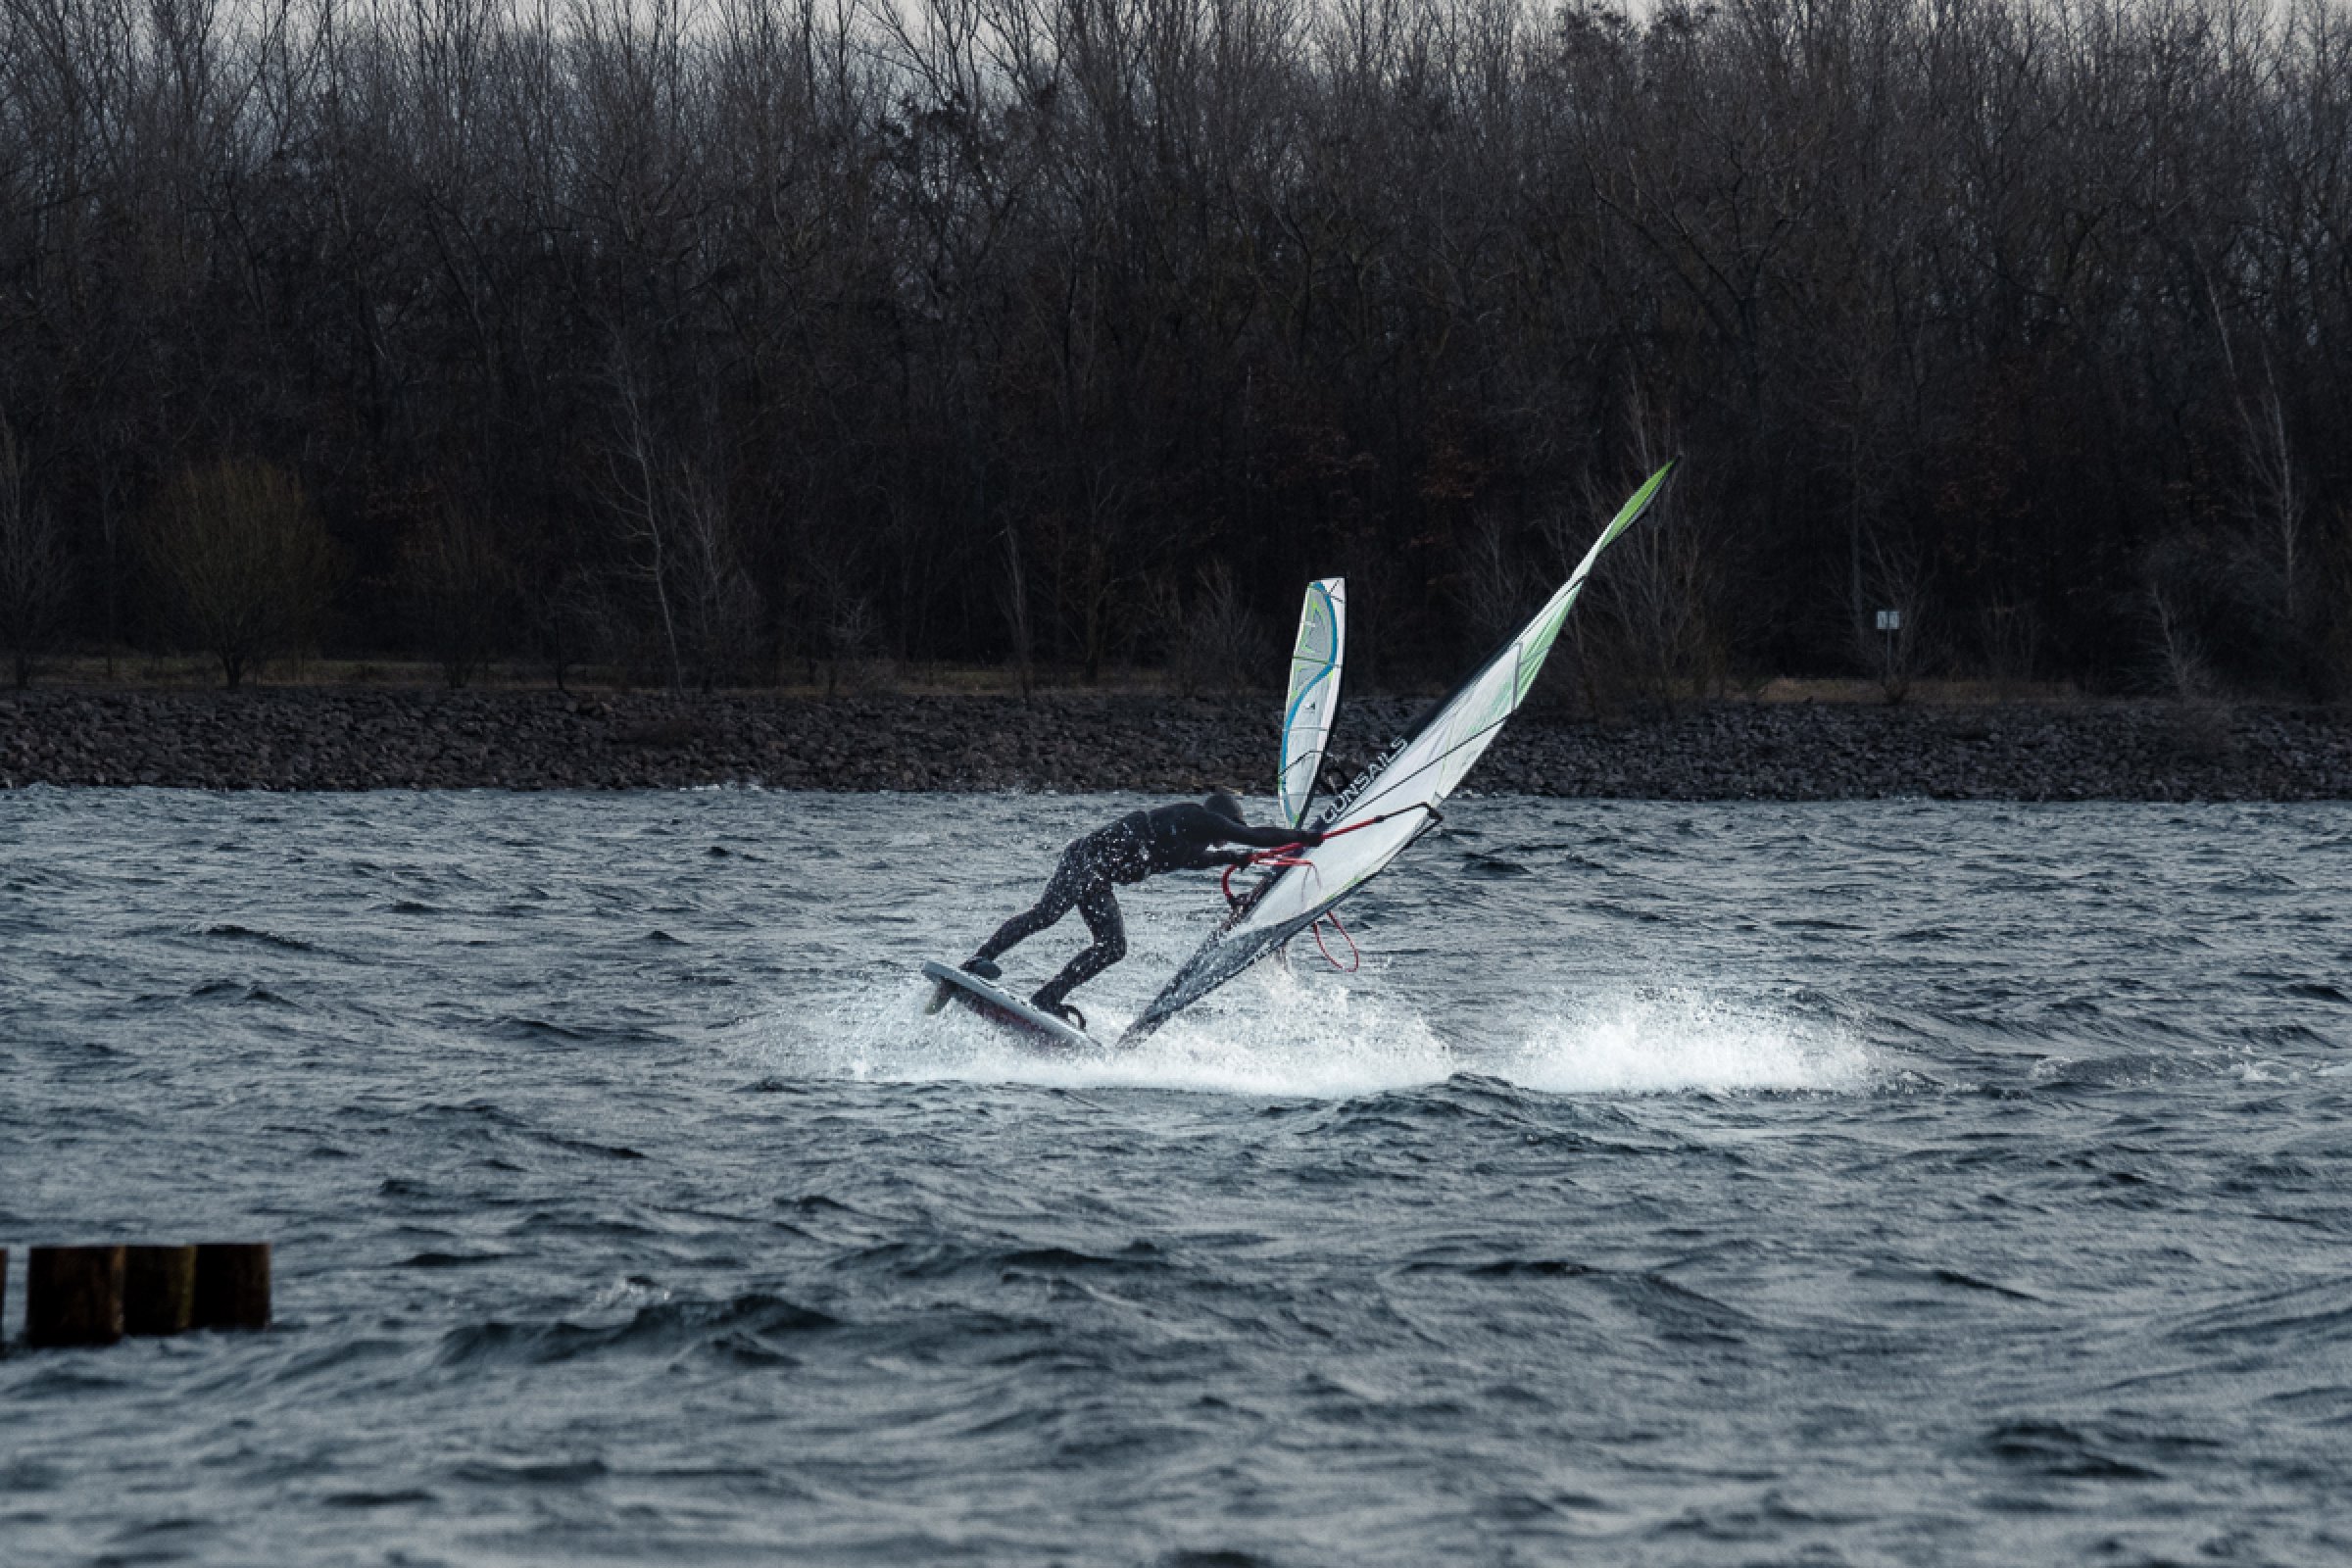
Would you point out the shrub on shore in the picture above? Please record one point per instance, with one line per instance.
(241, 562)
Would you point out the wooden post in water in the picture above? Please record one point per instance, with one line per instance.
(232, 1285)
(159, 1290)
(73, 1296)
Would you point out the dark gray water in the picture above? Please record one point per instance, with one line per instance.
(1873, 1183)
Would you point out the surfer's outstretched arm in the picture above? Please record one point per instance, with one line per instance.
(1272, 838)
(1185, 838)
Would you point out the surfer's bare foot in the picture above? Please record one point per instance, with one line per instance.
(985, 968)
(1061, 1009)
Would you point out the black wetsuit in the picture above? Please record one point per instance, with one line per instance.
(1141, 844)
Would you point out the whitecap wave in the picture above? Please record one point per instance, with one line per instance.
(1668, 1042)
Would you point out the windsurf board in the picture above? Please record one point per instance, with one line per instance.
(1033, 1025)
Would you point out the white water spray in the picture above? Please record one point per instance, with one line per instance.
(1276, 1035)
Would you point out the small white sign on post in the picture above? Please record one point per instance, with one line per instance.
(1891, 620)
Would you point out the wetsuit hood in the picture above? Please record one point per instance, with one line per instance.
(1225, 805)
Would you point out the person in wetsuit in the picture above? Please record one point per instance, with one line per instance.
(1169, 838)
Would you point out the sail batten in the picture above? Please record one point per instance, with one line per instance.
(1394, 803)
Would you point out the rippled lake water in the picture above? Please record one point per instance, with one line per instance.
(1886, 1183)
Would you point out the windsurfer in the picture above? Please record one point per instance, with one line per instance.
(1184, 837)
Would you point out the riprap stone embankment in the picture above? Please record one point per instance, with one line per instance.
(356, 738)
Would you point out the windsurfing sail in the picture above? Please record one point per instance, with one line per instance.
(1393, 803)
(1314, 699)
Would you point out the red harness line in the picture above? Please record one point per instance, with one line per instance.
(1288, 856)
(1355, 955)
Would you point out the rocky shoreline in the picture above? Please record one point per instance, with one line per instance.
(356, 738)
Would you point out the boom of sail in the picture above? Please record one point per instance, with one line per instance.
(1314, 699)
(1394, 803)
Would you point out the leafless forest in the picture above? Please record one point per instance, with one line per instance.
(738, 341)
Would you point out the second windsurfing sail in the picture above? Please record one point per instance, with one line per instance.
(1394, 803)
(1314, 699)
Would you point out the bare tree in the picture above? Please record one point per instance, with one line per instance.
(1013, 601)
(720, 607)
(461, 590)
(1654, 617)
(243, 563)
(847, 635)
(2179, 656)
(574, 624)
(642, 496)
(35, 577)
(1493, 586)
(2011, 634)
(1892, 645)
(2272, 498)
(1222, 644)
